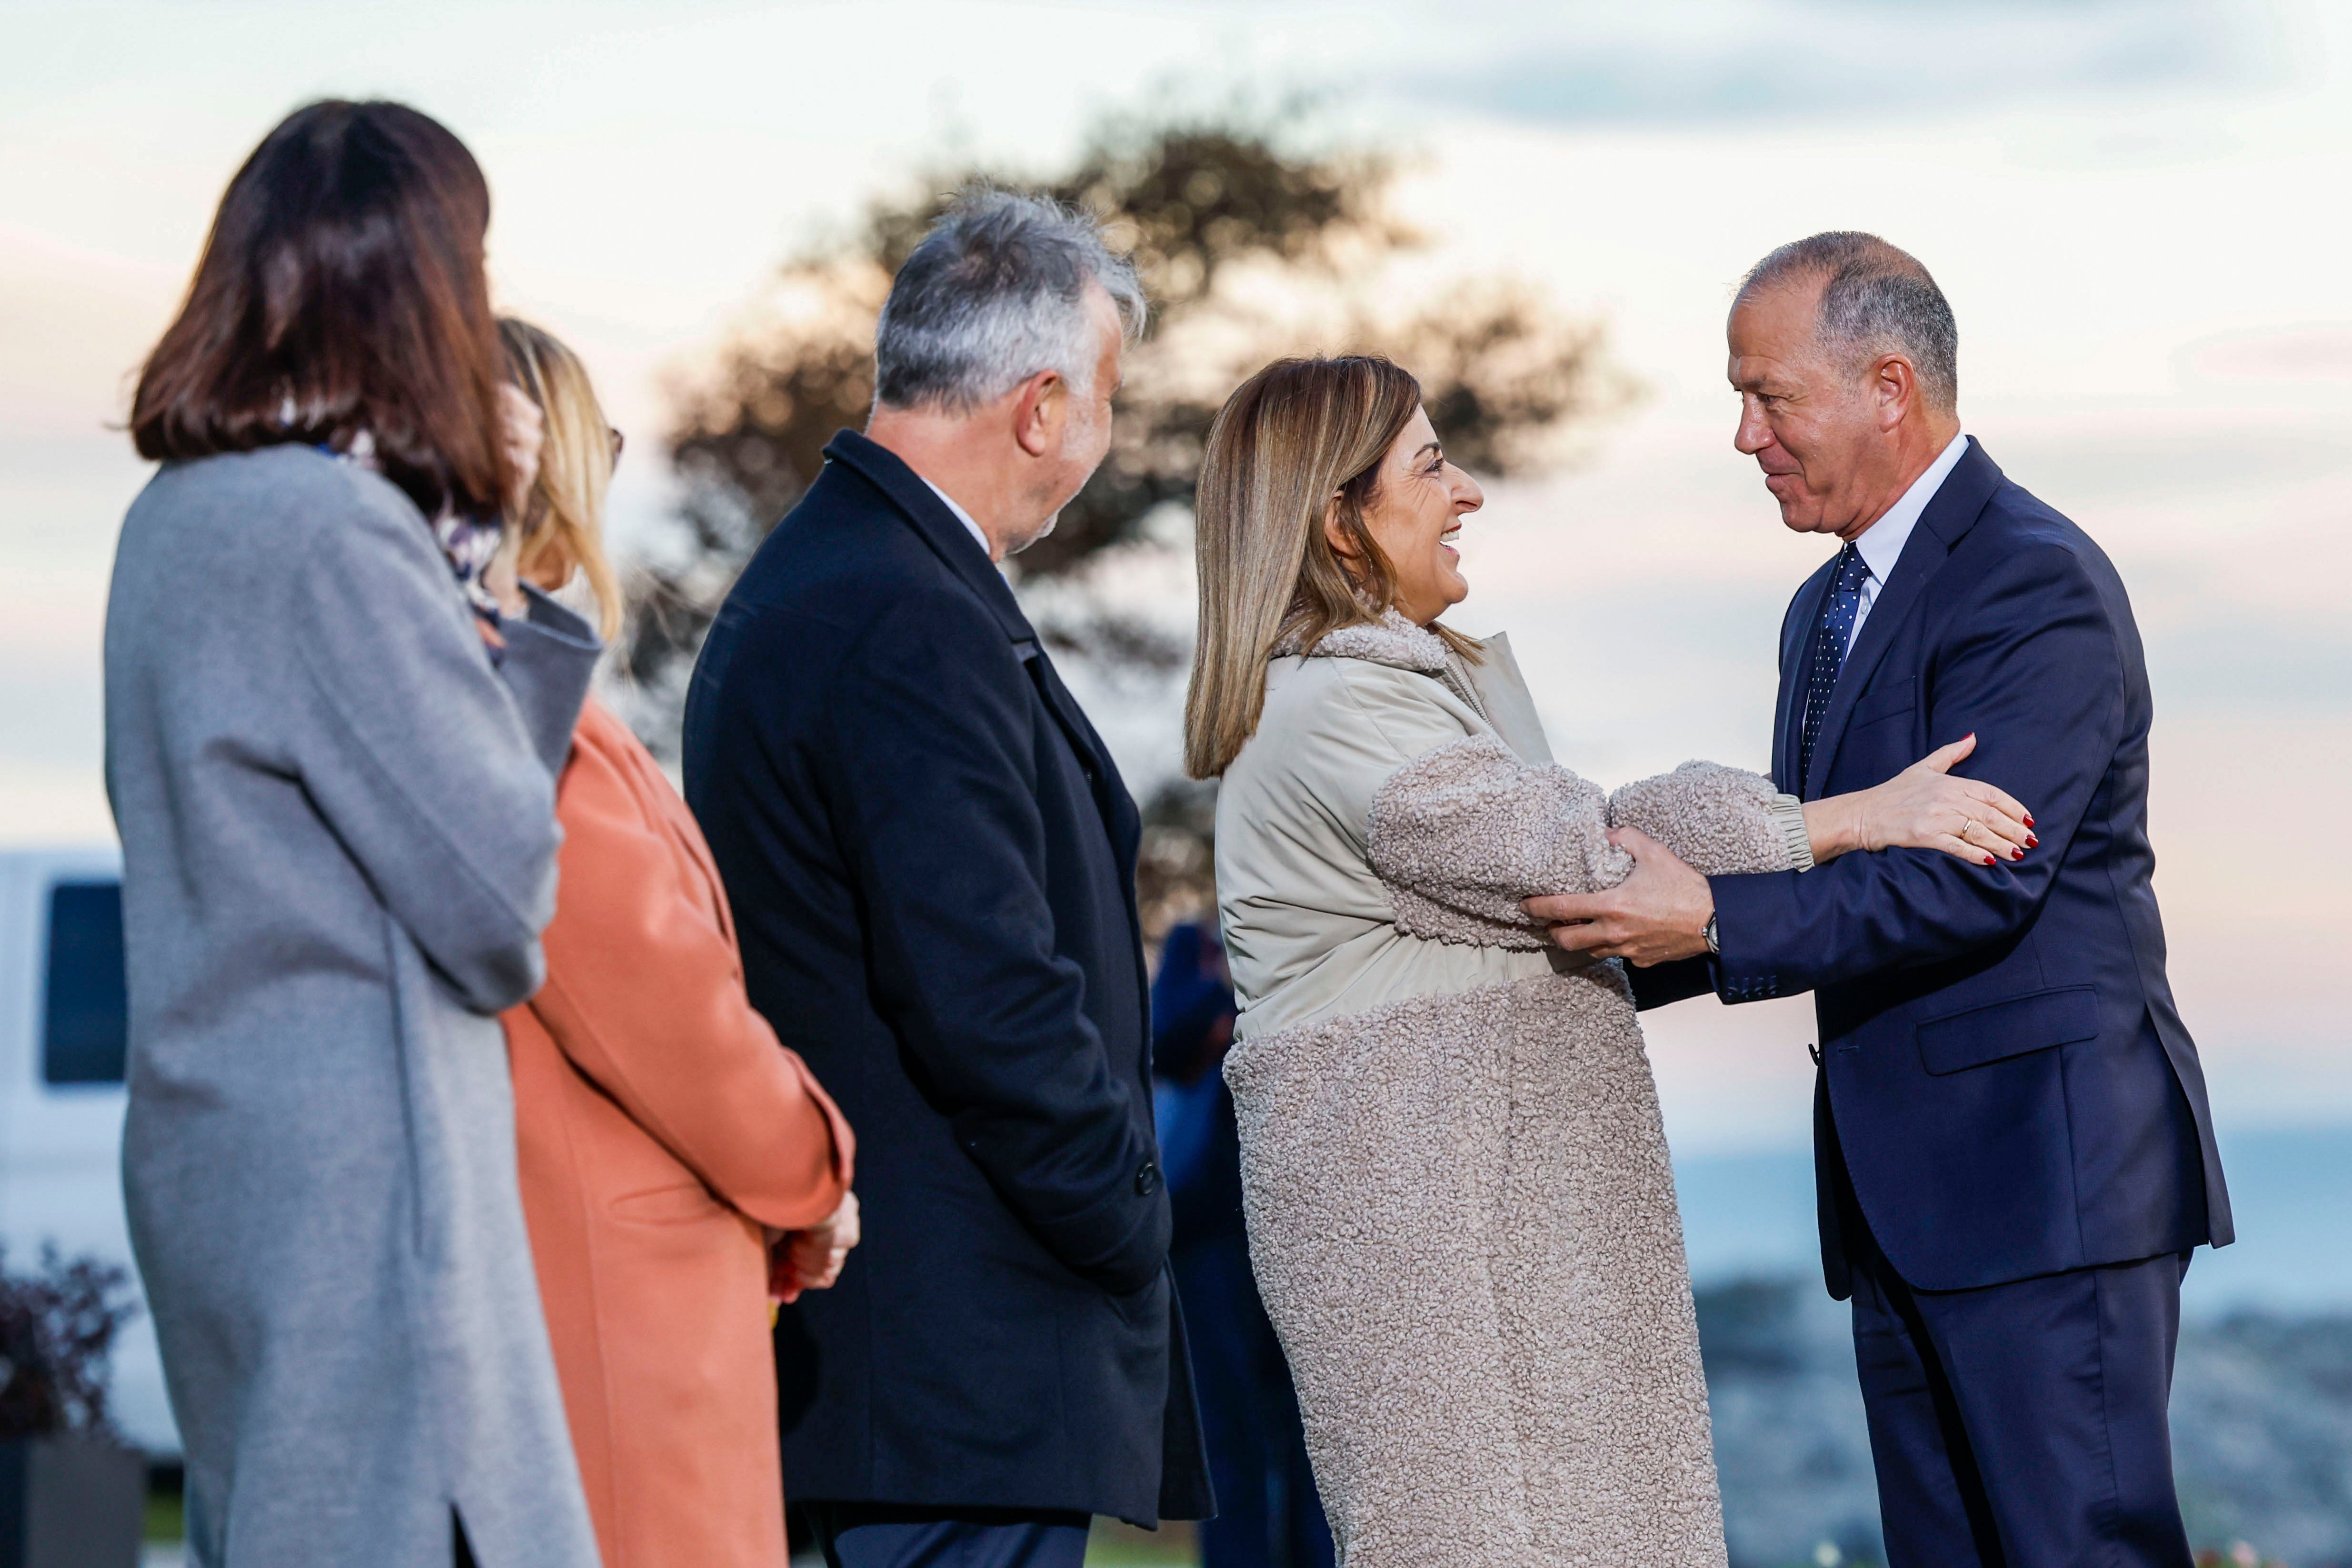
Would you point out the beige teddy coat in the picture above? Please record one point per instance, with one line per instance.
(1461, 1210)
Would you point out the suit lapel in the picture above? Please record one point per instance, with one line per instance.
(1949, 515)
(1796, 657)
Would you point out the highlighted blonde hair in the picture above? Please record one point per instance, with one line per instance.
(564, 517)
(1300, 442)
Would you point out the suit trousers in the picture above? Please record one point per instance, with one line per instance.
(2021, 1425)
(887, 1535)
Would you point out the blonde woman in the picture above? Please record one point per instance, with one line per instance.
(665, 1136)
(1461, 1212)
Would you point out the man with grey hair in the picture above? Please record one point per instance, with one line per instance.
(931, 862)
(2012, 1144)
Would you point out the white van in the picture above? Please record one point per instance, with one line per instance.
(62, 1032)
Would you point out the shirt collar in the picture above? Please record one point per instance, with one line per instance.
(973, 529)
(1882, 543)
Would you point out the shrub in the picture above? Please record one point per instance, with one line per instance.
(57, 1333)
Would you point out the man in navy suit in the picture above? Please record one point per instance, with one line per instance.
(2012, 1147)
(931, 861)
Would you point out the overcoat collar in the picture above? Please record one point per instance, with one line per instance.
(1950, 516)
(953, 543)
(939, 529)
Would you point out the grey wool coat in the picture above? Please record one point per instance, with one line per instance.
(1461, 1210)
(339, 848)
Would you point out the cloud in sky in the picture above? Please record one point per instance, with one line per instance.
(1679, 61)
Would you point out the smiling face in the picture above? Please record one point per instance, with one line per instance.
(1413, 515)
(1817, 429)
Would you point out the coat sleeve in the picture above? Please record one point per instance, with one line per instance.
(932, 772)
(645, 996)
(1463, 829)
(2036, 675)
(416, 752)
(1716, 819)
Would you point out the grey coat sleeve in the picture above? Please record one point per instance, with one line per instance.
(1464, 830)
(420, 757)
(1719, 821)
(550, 657)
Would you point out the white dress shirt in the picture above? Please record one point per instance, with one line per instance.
(1881, 543)
(965, 519)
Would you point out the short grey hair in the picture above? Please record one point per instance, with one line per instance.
(995, 293)
(1876, 299)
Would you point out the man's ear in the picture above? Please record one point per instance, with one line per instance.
(1039, 408)
(1897, 385)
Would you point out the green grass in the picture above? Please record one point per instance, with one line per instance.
(165, 1520)
(1116, 1545)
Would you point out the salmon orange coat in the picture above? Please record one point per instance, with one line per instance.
(660, 1126)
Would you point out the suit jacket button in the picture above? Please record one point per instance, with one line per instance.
(1147, 1180)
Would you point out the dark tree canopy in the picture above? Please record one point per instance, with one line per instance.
(1199, 202)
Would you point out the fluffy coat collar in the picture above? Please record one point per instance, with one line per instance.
(1391, 639)
(1395, 642)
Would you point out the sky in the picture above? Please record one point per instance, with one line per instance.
(2137, 209)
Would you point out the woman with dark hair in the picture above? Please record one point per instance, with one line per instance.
(333, 726)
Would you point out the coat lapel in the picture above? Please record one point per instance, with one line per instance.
(939, 529)
(1111, 799)
(953, 543)
(1950, 515)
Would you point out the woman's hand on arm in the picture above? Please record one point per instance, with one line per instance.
(1925, 808)
(812, 1259)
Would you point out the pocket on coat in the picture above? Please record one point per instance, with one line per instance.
(1897, 696)
(1135, 1307)
(1999, 1030)
(679, 1204)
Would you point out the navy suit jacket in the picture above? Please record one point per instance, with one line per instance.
(931, 861)
(2002, 1067)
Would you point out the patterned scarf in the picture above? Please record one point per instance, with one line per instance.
(467, 544)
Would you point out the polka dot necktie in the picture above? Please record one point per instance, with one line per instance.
(1828, 651)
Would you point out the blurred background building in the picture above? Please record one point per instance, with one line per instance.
(2136, 207)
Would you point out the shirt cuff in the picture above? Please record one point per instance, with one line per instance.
(1787, 815)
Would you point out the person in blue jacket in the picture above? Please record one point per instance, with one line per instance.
(2014, 1153)
(1268, 1515)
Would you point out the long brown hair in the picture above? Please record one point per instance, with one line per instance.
(1297, 443)
(564, 518)
(342, 291)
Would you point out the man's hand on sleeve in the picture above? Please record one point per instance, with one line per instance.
(1657, 914)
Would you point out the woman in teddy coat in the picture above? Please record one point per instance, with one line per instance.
(1461, 1210)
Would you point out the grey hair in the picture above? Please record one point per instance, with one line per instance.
(995, 293)
(1876, 299)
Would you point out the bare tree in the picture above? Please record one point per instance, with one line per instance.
(1253, 245)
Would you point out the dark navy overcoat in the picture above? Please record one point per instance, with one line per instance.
(931, 861)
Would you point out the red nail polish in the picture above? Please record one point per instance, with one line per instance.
(2032, 843)
(2017, 855)
(1989, 861)
(2029, 819)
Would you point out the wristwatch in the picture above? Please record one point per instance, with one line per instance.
(1713, 947)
